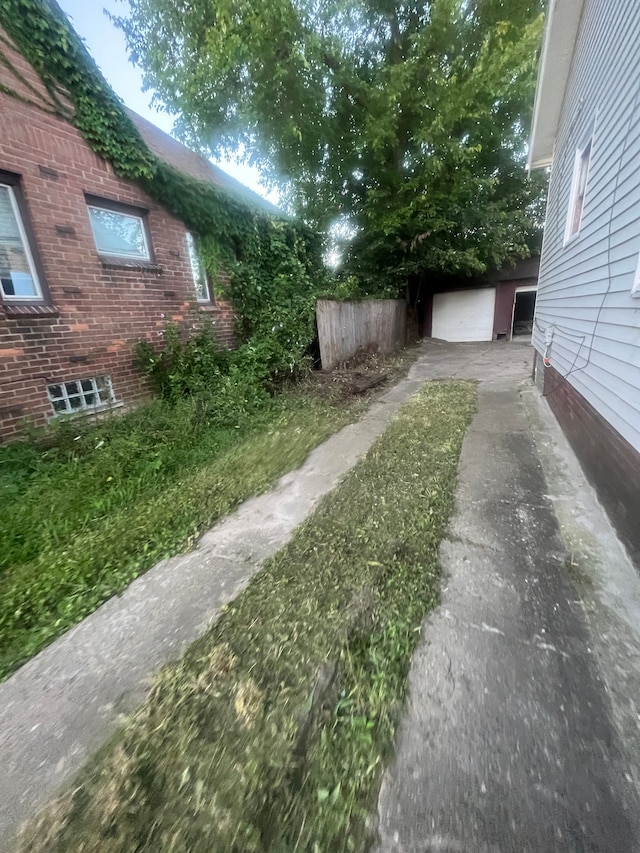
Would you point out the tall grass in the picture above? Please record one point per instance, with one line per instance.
(95, 505)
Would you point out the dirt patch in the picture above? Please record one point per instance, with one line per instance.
(364, 373)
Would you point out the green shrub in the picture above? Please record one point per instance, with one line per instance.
(228, 385)
(187, 364)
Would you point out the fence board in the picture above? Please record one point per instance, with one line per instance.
(372, 325)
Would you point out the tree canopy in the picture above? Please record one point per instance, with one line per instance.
(405, 121)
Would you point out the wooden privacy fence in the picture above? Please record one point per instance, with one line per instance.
(372, 325)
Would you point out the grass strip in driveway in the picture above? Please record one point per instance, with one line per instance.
(272, 732)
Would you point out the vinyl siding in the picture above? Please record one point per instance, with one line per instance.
(584, 293)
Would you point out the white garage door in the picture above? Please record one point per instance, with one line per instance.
(465, 315)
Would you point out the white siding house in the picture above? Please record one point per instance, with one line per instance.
(587, 325)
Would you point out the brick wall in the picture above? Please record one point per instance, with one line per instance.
(611, 463)
(95, 311)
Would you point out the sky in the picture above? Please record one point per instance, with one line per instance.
(107, 45)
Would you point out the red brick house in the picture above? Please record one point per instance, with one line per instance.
(89, 263)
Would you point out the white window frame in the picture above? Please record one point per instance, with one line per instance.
(143, 228)
(84, 408)
(635, 289)
(37, 297)
(575, 197)
(194, 258)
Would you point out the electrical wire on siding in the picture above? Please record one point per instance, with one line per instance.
(547, 332)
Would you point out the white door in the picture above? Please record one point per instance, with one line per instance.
(464, 315)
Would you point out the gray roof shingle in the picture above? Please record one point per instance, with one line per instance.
(190, 163)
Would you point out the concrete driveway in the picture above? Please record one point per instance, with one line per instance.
(521, 732)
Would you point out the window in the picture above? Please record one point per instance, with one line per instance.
(18, 277)
(635, 290)
(80, 396)
(119, 234)
(203, 292)
(578, 190)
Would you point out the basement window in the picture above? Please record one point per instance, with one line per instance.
(578, 191)
(81, 395)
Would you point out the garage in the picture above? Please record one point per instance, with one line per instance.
(464, 315)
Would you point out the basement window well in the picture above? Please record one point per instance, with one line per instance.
(81, 395)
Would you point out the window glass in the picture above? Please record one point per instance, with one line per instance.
(635, 290)
(17, 274)
(119, 234)
(198, 269)
(581, 172)
(85, 394)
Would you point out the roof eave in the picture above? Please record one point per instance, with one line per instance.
(561, 31)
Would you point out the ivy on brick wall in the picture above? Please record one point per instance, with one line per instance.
(45, 39)
(274, 263)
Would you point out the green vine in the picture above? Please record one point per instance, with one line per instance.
(274, 263)
(7, 90)
(45, 39)
(40, 100)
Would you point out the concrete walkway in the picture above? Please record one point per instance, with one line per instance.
(521, 734)
(59, 708)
